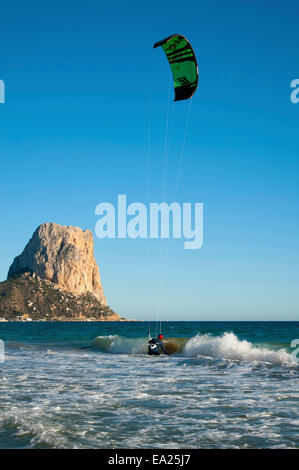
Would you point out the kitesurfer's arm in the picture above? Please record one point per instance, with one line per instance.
(163, 348)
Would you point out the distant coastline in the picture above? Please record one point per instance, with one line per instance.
(28, 298)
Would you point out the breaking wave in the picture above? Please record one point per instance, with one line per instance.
(120, 345)
(227, 346)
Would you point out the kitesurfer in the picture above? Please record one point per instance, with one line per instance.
(156, 346)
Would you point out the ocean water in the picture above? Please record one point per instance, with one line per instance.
(91, 385)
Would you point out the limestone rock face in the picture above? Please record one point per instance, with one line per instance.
(64, 256)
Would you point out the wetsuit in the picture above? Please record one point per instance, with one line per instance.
(156, 347)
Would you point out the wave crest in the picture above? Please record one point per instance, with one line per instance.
(229, 346)
(120, 345)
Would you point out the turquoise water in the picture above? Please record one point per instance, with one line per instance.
(91, 385)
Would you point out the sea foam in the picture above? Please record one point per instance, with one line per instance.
(229, 346)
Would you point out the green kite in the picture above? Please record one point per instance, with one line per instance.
(183, 65)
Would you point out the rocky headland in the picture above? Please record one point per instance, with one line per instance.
(55, 278)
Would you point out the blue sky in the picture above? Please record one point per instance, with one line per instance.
(74, 134)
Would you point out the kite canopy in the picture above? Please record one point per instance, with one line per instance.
(183, 64)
